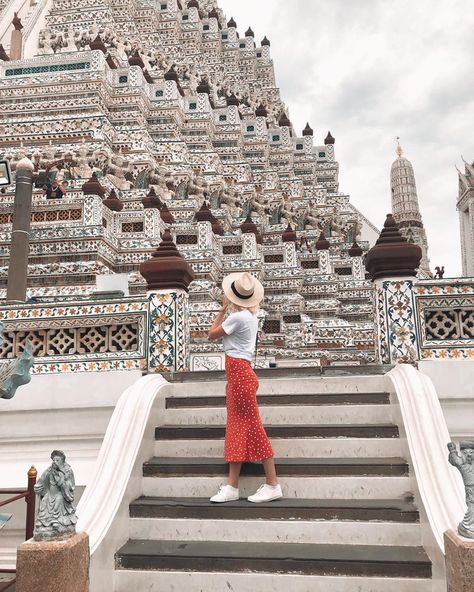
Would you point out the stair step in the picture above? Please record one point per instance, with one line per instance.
(163, 467)
(287, 447)
(283, 509)
(283, 415)
(287, 400)
(341, 560)
(192, 581)
(192, 432)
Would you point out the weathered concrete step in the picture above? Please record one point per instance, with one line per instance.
(342, 560)
(319, 532)
(327, 447)
(193, 432)
(163, 467)
(287, 400)
(318, 415)
(333, 487)
(366, 371)
(192, 581)
(285, 384)
(390, 510)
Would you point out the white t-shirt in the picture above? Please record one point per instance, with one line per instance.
(241, 332)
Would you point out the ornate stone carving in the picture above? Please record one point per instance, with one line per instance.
(465, 465)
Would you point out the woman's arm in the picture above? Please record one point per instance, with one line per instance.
(216, 331)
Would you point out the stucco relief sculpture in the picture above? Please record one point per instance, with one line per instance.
(465, 465)
(56, 518)
(15, 373)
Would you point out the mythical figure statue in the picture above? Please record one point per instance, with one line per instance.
(465, 465)
(56, 518)
(15, 373)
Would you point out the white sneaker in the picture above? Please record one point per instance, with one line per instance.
(266, 493)
(226, 493)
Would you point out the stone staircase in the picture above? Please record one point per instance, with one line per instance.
(347, 522)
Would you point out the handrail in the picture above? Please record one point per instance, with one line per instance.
(118, 455)
(30, 499)
(440, 487)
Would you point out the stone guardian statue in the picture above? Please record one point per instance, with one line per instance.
(56, 518)
(465, 465)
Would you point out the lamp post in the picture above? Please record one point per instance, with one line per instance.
(20, 243)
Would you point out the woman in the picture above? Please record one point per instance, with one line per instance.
(245, 438)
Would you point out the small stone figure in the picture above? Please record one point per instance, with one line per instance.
(56, 518)
(465, 465)
(439, 273)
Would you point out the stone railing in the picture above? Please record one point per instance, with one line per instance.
(425, 319)
(142, 332)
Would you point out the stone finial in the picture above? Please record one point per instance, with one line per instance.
(193, 4)
(355, 250)
(392, 255)
(308, 130)
(167, 269)
(56, 517)
(113, 202)
(171, 75)
(16, 22)
(213, 14)
(25, 164)
(232, 100)
(322, 244)
(3, 54)
(261, 111)
(151, 200)
(98, 44)
(166, 215)
(249, 32)
(93, 187)
(265, 42)
(232, 23)
(204, 214)
(136, 60)
(249, 226)
(464, 463)
(284, 121)
(203, 87)
(329, 139)
(289, 235)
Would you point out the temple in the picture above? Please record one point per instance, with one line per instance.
(145, 153)
(165, 117)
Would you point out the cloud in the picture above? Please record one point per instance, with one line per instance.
(370, 70)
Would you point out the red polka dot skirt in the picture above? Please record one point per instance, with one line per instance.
(245, 436)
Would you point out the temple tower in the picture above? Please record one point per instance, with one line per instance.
(465, 206)
(405, 208)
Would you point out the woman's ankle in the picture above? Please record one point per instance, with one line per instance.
(272, 483)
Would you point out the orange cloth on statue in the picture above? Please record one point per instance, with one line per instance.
(245, 436)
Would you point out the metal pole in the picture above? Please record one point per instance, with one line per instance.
(20, 244)
(30, 503)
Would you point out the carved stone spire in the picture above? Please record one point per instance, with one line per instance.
(392, 255)
(167, 269)
(113, 202)
(250, 226)
(93, 187)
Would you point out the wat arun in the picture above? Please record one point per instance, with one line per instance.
(143, 115)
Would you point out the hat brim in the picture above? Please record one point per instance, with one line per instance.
(247, 303)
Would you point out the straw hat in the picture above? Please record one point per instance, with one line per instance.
(243, 289)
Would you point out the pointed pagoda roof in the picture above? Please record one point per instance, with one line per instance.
(355, 250)
(289, 235)
(265, 42)
(167, 269)
(329, 139)
(308, 130)
(93, 186)
(322, 244)
(261, 111)
(249, 32)
(151, 200)
(166, 215)
(113, 202)
(232, 23)
(249, 226)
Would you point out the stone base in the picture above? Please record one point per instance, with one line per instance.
(459, 562)
(54, 565)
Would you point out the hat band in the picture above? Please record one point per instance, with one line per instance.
(234, 290)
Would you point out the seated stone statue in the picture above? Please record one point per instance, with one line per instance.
(465, 465)
(56, 516)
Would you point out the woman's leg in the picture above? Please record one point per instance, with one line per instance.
(270, 471)
(234, 472)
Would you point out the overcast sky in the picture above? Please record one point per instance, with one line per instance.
(371, 70)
